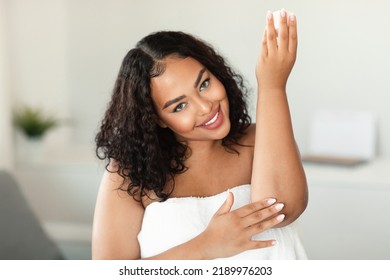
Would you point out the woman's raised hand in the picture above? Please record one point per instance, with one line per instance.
(278, 52)
(230, 232)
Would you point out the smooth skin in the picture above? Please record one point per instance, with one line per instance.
(278, 170)
(184, 108)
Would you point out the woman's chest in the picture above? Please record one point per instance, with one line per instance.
(208, 177)
(215, 176)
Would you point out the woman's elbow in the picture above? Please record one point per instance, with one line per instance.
(295, 207)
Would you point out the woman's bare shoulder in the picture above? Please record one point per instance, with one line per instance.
(117, 221)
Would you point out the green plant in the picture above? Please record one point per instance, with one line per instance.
(33, 122)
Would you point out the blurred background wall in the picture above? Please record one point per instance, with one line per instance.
(6, 147)
(63, 56)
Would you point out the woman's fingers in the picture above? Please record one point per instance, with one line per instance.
(293, 34)
(264, 47)
(261, 227)
(272, 44)
(278, 52)
(257, 212)
(231, 231)
(283, 38)
(259, 244)
(261, 216)
(264, 225)
(254, 207)
(226, 206)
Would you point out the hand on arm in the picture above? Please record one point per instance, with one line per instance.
(230, 232)
(277, 169)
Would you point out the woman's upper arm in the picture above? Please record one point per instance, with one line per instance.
(117, 221)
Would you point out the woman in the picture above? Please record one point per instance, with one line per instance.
(185, 162)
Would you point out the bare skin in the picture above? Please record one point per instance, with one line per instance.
(278, 170)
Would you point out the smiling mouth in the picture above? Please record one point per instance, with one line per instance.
(212, 120)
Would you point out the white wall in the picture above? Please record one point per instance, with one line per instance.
(343, 62)
(38, 55)
(6, 147)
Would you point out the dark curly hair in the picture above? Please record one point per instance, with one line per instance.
(146, 155)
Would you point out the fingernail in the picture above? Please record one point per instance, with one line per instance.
(273, 242)
(279, 206)
(280, 217)
(271, 201)
(269, 15)
(282, 12)
(292, 17)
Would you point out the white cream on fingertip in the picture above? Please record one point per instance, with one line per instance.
(277, 15)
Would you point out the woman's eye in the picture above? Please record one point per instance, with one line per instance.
(204, 85)
(180, 107)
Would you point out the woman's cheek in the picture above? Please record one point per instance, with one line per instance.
(220, 90)
(182, 123)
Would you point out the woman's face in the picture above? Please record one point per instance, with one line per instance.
(191, 101)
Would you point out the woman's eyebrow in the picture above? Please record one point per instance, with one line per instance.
(197, 81)
(173, 101)
(196, 84)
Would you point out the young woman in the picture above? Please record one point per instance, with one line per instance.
(188, 175)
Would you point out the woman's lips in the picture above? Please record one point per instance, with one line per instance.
(214, 121)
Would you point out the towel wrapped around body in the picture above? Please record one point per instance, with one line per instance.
(177, 220)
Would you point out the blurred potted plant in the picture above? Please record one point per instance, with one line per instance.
(34, 124)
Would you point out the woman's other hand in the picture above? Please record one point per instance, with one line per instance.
(230, 232)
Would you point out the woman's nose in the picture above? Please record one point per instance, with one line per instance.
(204, 105)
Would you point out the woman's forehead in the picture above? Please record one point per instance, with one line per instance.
(179, 75)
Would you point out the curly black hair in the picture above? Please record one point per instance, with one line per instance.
(146, 155)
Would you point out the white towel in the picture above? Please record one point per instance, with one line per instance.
(177, 220)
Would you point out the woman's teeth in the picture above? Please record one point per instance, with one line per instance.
(212, 120)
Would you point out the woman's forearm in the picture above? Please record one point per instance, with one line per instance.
(277, 168)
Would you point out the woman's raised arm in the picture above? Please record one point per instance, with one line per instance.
(277, 168)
